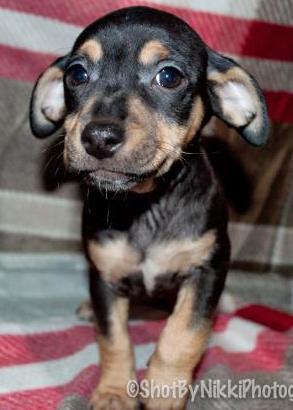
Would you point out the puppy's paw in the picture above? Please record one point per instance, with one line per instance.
(102, 400)
(85, 311)
(167, 386)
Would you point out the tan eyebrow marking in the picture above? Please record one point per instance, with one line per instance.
(151, 51)
(93, 49)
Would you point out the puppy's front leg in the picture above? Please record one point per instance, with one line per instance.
(183, 340)
(116, 353)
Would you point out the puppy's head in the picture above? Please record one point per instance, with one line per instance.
(134, 91)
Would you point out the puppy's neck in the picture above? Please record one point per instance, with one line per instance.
(170, 177)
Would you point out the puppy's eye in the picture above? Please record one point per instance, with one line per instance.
(76, 75)
(169, 77)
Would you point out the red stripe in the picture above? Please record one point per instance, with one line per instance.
(280, 104)
(33, 348)
(22, 65)
(271, 318)
(38, 347)
(26, 65)
(224, 33)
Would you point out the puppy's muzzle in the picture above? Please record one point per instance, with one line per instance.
(102, 140)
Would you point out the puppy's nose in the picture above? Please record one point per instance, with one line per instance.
(101, 140)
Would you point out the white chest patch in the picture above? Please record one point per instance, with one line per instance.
(117, 258)
(176, 256)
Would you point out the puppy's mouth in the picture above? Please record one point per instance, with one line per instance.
(122, 174)
(113, 180)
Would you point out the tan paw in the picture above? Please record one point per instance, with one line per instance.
(112, 401)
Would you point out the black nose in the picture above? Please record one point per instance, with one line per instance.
(101, 140)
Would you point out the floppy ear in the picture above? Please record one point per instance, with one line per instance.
(47, 106)
(236, 98)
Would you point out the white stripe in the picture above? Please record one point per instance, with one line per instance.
(239, 336)
(45, 35)
(37, 198)
(36, 33)
(35, 327)
(244, 9)
(42, 261)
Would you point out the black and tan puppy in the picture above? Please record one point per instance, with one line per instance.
(132, 96)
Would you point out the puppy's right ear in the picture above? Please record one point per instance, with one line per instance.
(47, 106)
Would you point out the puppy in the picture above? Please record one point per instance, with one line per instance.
(132, 96)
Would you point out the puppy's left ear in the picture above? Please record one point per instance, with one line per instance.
(236, 98)
(47, 107)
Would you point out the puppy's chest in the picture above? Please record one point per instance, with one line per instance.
(157, 251)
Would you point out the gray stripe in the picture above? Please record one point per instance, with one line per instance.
(41, 34)
(39, 215)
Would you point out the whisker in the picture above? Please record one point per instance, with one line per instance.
(51, 147)
(174, 154)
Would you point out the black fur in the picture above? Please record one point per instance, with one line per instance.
(187, 202)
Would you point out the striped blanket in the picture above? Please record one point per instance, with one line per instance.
(48, 359)
(58, 360)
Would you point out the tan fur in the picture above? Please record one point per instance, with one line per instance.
(139, 124)
(153, 51)
(236, 74)
(117, 258)
(114, 259)
(93, 49)
(117, 362)
(146, 186)
(179, 349)
(72, 143)
(73, 125)
(195, 119)
(86, 109)
(176, 256)
(172, 137)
